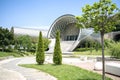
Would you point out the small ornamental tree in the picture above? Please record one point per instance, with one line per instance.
(40, 50)
(99, 17)
(57, 55)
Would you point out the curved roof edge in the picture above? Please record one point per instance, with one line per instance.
(48, 35)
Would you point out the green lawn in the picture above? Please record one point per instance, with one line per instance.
(15, 54)
(66, 72)
(5, 54)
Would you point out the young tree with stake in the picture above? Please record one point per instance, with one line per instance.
(99, 17)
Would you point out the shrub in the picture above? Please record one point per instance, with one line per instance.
(115, 50)
(8, 48)
(82, 49)
(108, 42)
(40, 50)
(97, 45)
(57, 55)
(89, 44)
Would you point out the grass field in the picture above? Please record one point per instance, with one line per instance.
(66, 72)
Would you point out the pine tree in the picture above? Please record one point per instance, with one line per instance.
(40, 50)
(57, 56)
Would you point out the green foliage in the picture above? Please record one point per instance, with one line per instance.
(86, 43)
(33, 47)
(9, 48)
(115, 50)
(23, 41)
(108, 42)
(6, 38)
(83, 51)
(35, 41)
(57, 56)
(16, 47)
(46, 43)
(97, 45)
(12, 35)
(66, 72)
(116, 17)
(40, 55)
(98, 16)
(6, 54)
(90, 44)
(28, 43)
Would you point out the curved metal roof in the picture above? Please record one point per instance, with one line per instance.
(60, 24)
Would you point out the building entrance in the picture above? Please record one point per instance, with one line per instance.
(71, 37)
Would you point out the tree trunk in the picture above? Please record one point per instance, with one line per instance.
(103, 58)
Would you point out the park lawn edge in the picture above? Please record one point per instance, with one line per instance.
(66, 72)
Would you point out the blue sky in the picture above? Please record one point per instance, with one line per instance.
(39, 13)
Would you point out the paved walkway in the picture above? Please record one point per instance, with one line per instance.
(6, 74)
(11, 71)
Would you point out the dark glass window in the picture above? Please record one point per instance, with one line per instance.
(71, 37)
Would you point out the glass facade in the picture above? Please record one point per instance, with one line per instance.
(71, 37)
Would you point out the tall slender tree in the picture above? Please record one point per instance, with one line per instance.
(40, 55)
(99, 17)
(57, 56)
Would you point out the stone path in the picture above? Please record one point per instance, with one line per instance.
(12, 71)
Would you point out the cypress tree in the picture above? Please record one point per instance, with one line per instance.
(40, 50)
(57, 55)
